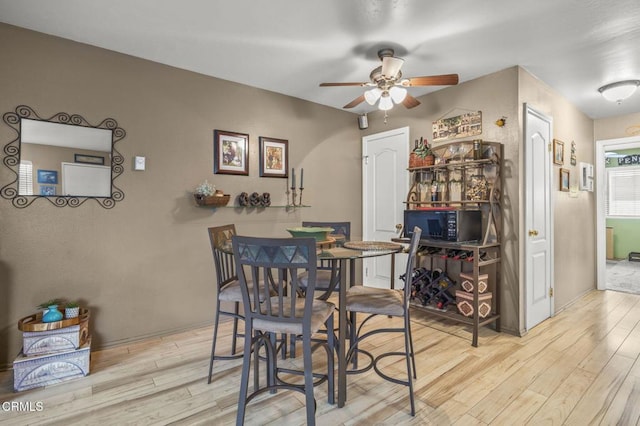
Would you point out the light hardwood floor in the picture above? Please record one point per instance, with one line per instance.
(580, 367)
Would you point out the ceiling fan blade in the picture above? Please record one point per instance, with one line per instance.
(342, 84)
(432, 80)
(391, 66)
(410, 102)
(355, 102)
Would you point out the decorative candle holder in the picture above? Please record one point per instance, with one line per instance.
(294, 195)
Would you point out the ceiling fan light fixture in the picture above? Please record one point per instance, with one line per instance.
(619, 91)
(385, 103)
(398, 94)
(372, 96)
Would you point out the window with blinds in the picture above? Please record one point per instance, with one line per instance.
(623, 192)
(25, 180)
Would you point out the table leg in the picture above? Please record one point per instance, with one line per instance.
(393, 272)
(342, 331)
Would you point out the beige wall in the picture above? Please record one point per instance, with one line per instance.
(623, 126)
(144, 267)
(574, 212)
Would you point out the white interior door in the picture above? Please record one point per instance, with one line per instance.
(538, 234)
(385, 182)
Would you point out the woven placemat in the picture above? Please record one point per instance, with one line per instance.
(372, 245)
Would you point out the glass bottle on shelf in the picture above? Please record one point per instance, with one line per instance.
(477, 149)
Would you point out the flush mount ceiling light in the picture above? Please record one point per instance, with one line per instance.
(619, 91)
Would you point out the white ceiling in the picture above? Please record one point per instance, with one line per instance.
(290, 46)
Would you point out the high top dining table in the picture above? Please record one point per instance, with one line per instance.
(343, 256)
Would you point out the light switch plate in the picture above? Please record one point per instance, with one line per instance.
(139, 163)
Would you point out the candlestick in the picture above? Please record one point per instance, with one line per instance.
(293, 178)
(301, 179)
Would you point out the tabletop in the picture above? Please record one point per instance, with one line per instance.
(347, 253)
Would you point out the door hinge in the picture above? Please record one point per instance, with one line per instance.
(550, 292)
(549, 147)
(366, 159)
(366, 272)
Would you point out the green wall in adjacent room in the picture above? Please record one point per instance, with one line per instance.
(626, 236)
(626, 232)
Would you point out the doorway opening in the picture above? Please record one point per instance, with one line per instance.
(617, 267)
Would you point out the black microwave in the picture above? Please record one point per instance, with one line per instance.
(444, 224)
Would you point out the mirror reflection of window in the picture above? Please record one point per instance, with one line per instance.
(25, 183)
(51, 146)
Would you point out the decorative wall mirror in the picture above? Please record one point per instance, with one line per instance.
(63, 159)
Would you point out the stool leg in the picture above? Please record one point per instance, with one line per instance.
(413, 358)
(272, 361)
(409, 359)
(330, 361)
(256, 363)
(352, 338)
(235, 328)
(244, 379)
(215, 337)
(310, 402)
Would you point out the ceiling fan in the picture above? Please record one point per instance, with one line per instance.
(388, 86)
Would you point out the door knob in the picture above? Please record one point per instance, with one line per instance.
(398, 228)
(533, 232)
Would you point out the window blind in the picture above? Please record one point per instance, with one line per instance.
(25, 180)
(623, 192)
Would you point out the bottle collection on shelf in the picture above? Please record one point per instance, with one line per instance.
(453, 254)
(431, 288)
(436, 290)
(454, 173)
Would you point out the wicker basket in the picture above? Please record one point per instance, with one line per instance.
(212, 201)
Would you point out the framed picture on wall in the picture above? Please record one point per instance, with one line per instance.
(48, 176)
(47, 190)
(88, 159)
(558, 152)
(274, 157)
(564, 180)
(230, 153)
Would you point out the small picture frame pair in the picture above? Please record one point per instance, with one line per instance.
(231, 155)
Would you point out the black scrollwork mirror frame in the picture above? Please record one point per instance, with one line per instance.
(12, 159)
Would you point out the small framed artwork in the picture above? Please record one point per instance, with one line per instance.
(88, 159)
(47, 190)
(48, 176)
(558, 152)
(564, 180)
(274, 157)
(586, 177)
(572, 159)
(230, 153)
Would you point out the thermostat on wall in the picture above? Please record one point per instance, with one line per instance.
(138, 163)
